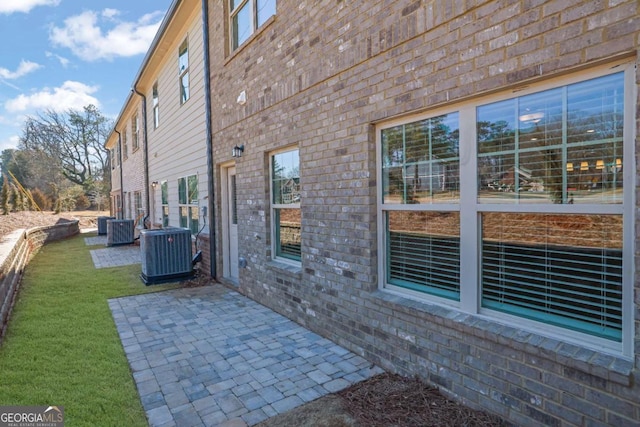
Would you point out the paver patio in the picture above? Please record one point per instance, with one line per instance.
(210, 356)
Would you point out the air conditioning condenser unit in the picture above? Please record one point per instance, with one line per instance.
(165, 255)
(102, 224)
(119, 232)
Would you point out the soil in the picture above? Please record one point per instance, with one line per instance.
(17, 220)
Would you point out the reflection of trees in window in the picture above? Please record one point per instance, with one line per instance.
(567, 142)
(421, 159)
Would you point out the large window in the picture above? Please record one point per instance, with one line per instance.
(183, 65)
(247, 16)
(188, 202)
(285, 190)
(164, 190)
(135, 133)
(156, 106)
(518, 207)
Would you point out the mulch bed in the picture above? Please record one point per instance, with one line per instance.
(392, 400)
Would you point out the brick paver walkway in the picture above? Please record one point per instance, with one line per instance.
(210, 356)
(116, 256)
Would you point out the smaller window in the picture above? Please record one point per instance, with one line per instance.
(188, 203)
(156, 106)
(113, 158)
(125, 150)
(135, 132)
(165, 203)
(137, 204)
(287, 221)
(183, 65)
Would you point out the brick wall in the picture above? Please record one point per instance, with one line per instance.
(318, 76)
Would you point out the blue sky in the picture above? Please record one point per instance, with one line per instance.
(61, 54)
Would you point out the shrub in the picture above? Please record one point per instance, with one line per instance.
(82, 202)
(4, 197)
(41, 199)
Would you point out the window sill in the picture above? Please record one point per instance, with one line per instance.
(285, 267)
(577, 360)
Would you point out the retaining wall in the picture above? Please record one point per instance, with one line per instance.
(16, 250)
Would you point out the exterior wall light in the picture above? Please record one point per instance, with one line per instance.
(237, 151)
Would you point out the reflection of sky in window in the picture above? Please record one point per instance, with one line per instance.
(503, 111)
(183, 59)
(243, 24)
(596, 107)
(266, 9)
(539, 110)
(286, 165)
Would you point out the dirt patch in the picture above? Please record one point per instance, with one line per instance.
(18, 220)
(383, 401)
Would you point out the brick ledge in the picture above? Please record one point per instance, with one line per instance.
(573, 357)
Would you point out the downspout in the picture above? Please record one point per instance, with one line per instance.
(146, 156)
(210, 163)
(121, 178)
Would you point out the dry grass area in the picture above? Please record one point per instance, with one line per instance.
(18, 220)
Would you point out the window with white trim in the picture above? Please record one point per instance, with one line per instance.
(247, 16)
(188, 203)
(135, 133)
(125, 150)
(137, 205)
(156, 106)
(285, 205)
(164, 195)
(183, 66)
(518, 206)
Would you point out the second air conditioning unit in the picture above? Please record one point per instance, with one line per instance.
(166, 255)
(119, 232)
(102, 224)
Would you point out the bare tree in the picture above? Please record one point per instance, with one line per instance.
(72, 141)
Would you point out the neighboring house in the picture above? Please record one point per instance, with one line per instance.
(360, 205)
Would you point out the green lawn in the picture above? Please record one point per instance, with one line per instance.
(62, 347)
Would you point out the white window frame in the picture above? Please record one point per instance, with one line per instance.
(137, 204)
(278, 206)
(164, 203)
(253, 16)
(135, 133)
(470, 210)
(191, 203)
(125, 150)
(183, 72)
(155, 99)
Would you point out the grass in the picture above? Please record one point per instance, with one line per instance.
(62, 347)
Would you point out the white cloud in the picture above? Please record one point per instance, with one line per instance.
(10, 142)
(24, 68)
(110, 13)
(74, 95)
(11, 6)
(63, 61)
(85, 37)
